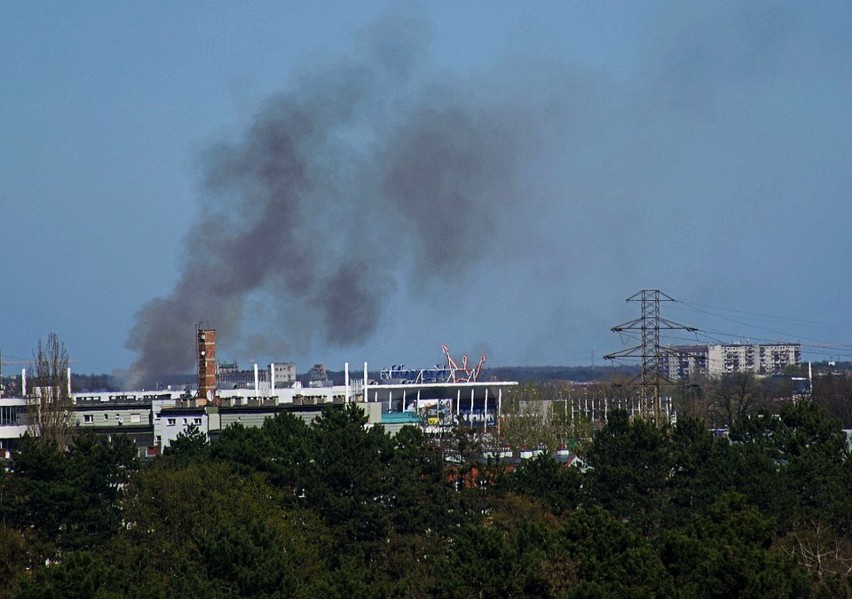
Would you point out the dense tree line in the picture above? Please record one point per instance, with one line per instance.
(338, 509)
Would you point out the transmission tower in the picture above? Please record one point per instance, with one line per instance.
(649, 350)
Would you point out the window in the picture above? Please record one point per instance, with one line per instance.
(8, 415)
(88, 418)
(170, 422)
(106, 416)
(196, 421)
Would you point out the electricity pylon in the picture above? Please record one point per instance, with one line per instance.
(649, 350)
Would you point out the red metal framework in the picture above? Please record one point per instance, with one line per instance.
(464, 373)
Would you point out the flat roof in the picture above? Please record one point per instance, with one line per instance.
(476, 385)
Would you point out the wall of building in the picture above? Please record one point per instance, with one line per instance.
(14, 422)
(762, 359)
(171, 422)
(96, 416)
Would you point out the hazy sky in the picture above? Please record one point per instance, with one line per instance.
(364, 181)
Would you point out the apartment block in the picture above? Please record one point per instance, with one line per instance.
(685, 362)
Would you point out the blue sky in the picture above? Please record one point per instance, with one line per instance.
(498, 177)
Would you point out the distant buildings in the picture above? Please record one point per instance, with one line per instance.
(685, 362)
(276, 376)
(155, 419)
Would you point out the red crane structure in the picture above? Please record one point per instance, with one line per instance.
(464, 373)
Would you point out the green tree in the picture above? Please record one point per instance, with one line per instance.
(809, 455)
(696, 466)
(613, 558)
(62, 500)
(282, 449)
(38, 495)
(725, 553)
(97, 469)
(631, 462)
(557, 485)
(422, 498)
(15, 558)
(206, 523)
(190, 445)
(346, 480)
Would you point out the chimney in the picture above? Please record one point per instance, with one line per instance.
(206, 364)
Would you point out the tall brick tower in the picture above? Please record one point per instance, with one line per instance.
(206, 363)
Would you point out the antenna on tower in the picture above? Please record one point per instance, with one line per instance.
(649, 350)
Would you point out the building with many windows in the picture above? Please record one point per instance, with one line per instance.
(14, 422)
(155, 419)
(760, 359)
(686, 362)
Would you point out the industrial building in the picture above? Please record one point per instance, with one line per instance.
(276, 376)
(435, 399)
(154, 419)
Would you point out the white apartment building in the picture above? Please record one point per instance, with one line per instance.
(685, 362)
(761, 359)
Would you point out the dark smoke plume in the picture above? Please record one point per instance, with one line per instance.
(298, 209)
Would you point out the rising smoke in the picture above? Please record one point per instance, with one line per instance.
(300, 208)
(372, 179)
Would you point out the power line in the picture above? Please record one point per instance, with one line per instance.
(649, 350)
(762, 316)
(807, 342)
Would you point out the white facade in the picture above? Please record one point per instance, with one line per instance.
(13, 422)
(761, 359)
(283, 375)
(773, 359)
(170, 423)
(684, 362)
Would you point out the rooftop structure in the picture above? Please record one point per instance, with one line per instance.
(276, 376)
(155, 418)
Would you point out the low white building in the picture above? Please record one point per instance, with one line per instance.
(14, 422)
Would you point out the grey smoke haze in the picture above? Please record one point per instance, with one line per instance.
(544, 192)
(605, 147)
(357, 177)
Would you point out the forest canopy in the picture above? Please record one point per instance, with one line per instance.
(336, 508)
